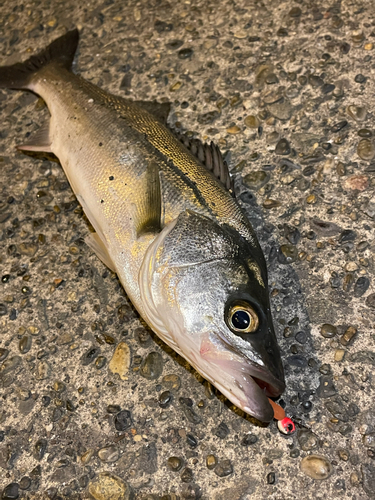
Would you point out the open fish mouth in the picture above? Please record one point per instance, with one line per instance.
(245, 383)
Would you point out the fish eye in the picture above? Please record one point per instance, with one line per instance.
(242, 318)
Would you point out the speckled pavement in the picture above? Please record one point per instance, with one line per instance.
(93, 405)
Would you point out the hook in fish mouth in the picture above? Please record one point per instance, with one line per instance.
(245, 383)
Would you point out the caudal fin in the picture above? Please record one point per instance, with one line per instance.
(60, 51)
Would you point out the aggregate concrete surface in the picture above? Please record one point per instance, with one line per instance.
(93, 405)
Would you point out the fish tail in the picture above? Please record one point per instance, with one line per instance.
(60, 51)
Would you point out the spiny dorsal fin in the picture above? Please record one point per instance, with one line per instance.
(210, 157)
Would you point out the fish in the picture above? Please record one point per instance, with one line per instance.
(166, 220)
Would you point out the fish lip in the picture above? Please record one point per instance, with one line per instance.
(272, 386)
(255, 382)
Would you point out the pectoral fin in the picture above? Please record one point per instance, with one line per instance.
(39, 141)
(96, 244)
(149, 204)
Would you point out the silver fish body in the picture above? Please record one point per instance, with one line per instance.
(182, 247)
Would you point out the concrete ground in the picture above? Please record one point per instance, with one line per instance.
(93, 405)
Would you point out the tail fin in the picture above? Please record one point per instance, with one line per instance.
(61, 51)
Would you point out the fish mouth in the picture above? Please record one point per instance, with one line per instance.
(244, 382)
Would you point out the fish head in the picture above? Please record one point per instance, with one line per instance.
(204, 290)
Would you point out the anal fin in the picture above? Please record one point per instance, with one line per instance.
(39, 141)
(96, 244)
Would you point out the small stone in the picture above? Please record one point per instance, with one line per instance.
(269, 203)
(43, 370)
(109, 454)
(24, 344)
(3, 353)
(152, 366)
(361, 286)
(311, 199)
(249, 439)
(87, 456)
(185, 53)
(368, 475)
(271, 478)
(316, 467)
(287, 254)
(89, 356)
(252, 121)
(123, 420)
(360, 78)
(165, 399)
(255, 180)
(175, 463)
(40, 448)
(120, 362)
(348, 336)
(343, 454)
(187, 475)
(370, 301)
(176, 86)
(366, 149)
(364, 132)
(307, 440)
(10, 492)
(357, 182)
(107, 486)
(339, 355)
(10, 365)
(223, 468)
(221, 431)
(328, 331)
(233, 130)
(358, 113)
(211, 462)
(282, 147)
(25, 483)
(172, 382)
(326, 388)
(282, 109)
(100, 362)
(327, 88)
(339, 126)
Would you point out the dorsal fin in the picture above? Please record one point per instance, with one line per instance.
(209, 155)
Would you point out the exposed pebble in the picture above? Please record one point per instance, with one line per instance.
(255, 180)
(224, 468)
(307, 440)
(348, 336)
(123, 420)
(172, 382)
(175, 463)
(109, 454)
(282, 147)
(328, 331)
(10, 492)
(211, 461)
(287, 254)
(358, 113)
(366, 150)
(120, 362)
(152, 366)
(108, 486)
(316, 467)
